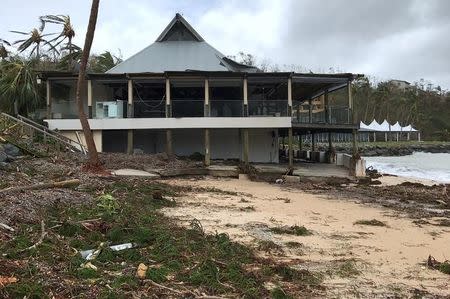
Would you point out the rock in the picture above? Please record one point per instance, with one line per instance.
(11, 150)
(3, 157)
(141, 271)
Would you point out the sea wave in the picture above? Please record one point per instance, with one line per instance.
(427, 166)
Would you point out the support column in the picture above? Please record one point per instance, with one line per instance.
(130, 114)
(290, 97)
(130, 142)
(207, 148)
(310, 111)
(169, 149)
(313, 142)
(351, 114)
(407, 136)
(245, 94)
(374, 137)
(299, 142)
(397, 136)
(418, 136)
(89, 90)
(290, 148)
(355, 143)
(385, 137)
(327, 112)
(245, 145)
(206, 108)
(49, 99)
(168, 99)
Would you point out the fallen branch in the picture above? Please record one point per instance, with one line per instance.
(162, 287)
(41, 239)
(61, 184)
(5, 226)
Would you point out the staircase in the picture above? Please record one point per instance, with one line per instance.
(34, 138)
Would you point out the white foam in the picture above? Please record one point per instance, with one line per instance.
(429, 166)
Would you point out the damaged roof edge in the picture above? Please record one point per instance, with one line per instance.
(297, 77)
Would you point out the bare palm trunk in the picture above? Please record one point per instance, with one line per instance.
(92, 150)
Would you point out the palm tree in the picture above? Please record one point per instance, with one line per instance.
(94, 161)
(103, 62)
(67, 31)
(3, 51)
(35, 39)
(19, 91)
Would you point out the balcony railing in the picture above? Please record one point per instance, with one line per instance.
(153, 108)
(226, 108)
(268, 107)
(65, 109)
(330, 115)
(188, 107)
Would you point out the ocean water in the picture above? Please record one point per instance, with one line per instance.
(419, 165)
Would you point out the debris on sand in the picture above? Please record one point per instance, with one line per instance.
(373, 222)
(444, 267)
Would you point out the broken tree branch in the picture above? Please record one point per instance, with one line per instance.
(162, 287)
(41, 238)
(5, 226)
(61, 184)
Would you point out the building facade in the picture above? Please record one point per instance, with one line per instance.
(182, 96)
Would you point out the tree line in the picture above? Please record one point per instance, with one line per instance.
(35, 51)
(422, 104)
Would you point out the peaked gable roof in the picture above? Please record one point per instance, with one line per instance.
(179, 29)
(179, 48)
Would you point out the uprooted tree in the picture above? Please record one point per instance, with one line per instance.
(94, 161)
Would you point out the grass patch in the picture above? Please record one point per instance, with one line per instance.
(278, 293)
(211, 263)
(347, 269)
(445, 268)
(291, 230)
(373, 222)
(444, 222)
(268, 246)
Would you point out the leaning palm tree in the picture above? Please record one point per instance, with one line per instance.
(94, 162)
(67, 33)
(35, 39)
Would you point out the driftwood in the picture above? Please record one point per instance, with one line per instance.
(61, 184)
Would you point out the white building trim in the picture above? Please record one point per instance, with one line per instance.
(173, 123)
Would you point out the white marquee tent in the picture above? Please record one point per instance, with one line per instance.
(386, 128)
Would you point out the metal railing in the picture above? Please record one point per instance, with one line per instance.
(268, 107)
(328, 115)
(226, 108)
(15, 129)
(153, 108)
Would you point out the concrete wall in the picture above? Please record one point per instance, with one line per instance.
(225, 144)
(263, 145)
(96, 134)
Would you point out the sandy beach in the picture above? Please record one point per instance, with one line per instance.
(388, 260)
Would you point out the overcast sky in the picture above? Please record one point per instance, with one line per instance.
(401, 39)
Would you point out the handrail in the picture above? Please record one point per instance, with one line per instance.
(50, 132)
(46, 132)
